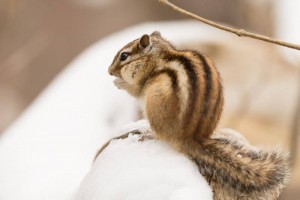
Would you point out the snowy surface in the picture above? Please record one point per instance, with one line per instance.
(47, 152)
(130, 169)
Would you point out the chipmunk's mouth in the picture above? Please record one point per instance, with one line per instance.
(118, 80)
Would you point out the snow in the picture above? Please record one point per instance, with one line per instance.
(48, 151)
(131, 169)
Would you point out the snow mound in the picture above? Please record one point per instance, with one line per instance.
(132, 170)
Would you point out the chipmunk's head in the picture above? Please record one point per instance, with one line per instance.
(138, 58)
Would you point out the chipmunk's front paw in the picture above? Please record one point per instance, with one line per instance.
(120, 84)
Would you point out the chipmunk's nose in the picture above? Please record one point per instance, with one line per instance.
(110, 71)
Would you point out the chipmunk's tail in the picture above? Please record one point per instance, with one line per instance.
(246, 170)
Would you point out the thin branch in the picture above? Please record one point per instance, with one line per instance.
(238, 32)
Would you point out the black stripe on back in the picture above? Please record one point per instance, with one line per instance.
(208, 81)
(193, 92)
(207, 93)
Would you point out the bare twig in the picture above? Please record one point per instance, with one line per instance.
(238, 32)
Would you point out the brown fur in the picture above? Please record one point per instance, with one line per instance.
(182, 97)
(183, 86)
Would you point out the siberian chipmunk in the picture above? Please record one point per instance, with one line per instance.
(182, 97)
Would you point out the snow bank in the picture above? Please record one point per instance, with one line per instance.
(47, 152)
(130, 169)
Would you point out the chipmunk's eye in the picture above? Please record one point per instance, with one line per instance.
(123, 56)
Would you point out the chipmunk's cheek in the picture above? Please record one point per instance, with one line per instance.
(131, 73)
(127, 74)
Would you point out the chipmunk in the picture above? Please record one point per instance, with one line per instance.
(182, 97)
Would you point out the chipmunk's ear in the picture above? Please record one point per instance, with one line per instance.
(144, 41)
(156, 33)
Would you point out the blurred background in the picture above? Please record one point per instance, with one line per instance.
(39, 38)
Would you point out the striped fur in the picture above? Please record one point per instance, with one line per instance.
(184, 85)
(182, 98)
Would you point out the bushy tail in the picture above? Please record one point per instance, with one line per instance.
(239, 167)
